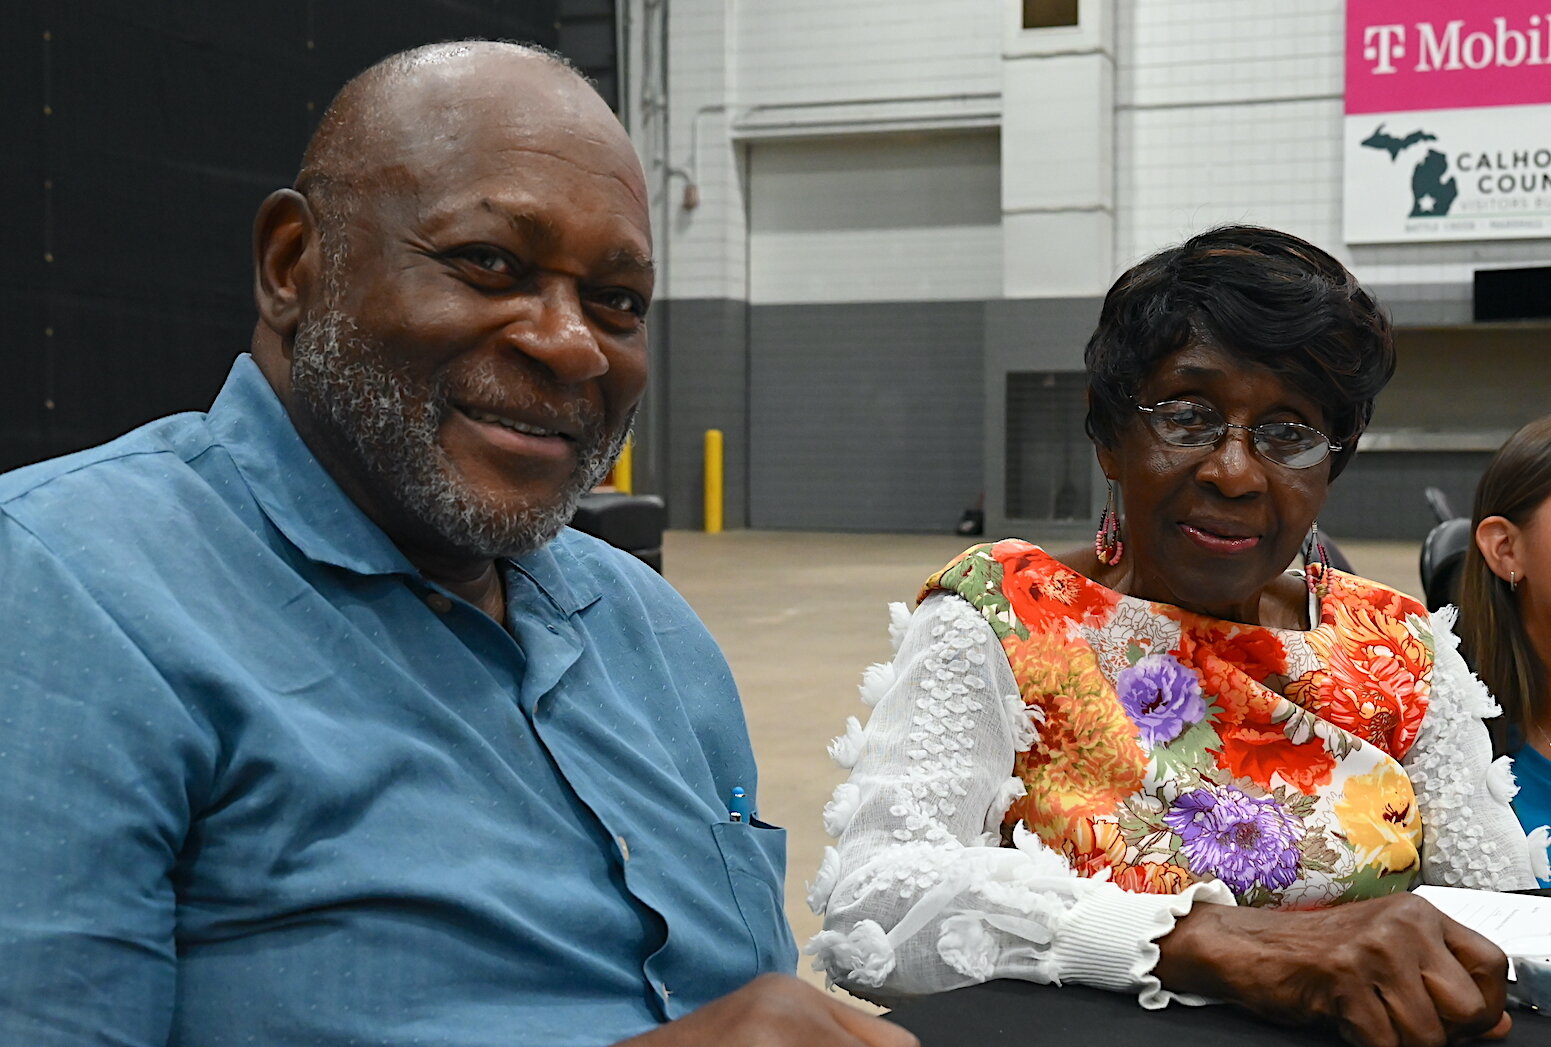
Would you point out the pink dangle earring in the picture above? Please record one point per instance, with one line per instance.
(1107, 545)
(1320, 589)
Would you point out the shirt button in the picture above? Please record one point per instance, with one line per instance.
(624, 848)
(438, 603)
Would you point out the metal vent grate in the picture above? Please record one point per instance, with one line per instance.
(1049, 458)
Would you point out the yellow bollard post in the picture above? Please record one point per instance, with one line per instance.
(624, 467)
(713, 481)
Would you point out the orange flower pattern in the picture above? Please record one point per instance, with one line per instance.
(1175, 748)
(1041, 594)
(1086, 759)
(1375, 680)
(1260, 753)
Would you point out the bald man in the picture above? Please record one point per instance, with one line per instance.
(316, 725)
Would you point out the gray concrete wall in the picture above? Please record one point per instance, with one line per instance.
(1460, 388)
(1026, 334)
(893, 416)
(1380, 494)
(1426, 305)
(865, 416)
(703, 382)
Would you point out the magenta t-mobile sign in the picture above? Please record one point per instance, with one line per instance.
(1448, 120)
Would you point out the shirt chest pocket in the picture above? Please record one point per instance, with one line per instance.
(755, 856)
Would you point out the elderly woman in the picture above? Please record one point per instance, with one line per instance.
(1169, 765)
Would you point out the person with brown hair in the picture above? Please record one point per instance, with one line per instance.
(1505, 609)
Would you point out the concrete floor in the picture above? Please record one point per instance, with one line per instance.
(799, 616)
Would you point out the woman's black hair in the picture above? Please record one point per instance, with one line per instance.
(1267, 297)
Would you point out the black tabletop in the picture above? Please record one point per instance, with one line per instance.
(1021, 1013)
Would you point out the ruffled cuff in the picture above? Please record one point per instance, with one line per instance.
(1109, 939)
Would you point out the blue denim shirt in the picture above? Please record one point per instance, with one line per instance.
(261, 783)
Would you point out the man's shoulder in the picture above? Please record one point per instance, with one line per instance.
(112, 482)
(176, 435)
(594, 555)
(590, 563)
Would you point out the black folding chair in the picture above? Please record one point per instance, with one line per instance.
(632, 522)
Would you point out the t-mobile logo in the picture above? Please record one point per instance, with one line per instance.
(1452, 48)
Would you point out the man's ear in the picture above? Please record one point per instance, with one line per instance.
(1498, 539)
(286, 257)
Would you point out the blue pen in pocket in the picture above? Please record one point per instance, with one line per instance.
(739, 807)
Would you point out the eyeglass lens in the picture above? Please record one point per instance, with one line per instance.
(1186, 424)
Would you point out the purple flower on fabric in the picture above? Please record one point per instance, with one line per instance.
(1241, 839)
(1162, 697)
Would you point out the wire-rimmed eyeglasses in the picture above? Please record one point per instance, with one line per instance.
(1186, 424)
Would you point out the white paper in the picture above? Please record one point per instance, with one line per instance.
(1518, 924)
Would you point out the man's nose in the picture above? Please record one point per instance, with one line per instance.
(1233, 467)
(557, 335)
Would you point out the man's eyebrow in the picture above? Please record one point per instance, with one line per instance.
(535, 226)
(622, 259)
(543, 229)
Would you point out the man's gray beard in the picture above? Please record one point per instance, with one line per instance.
(391, 425)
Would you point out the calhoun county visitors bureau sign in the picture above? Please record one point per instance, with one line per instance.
(1448, 120)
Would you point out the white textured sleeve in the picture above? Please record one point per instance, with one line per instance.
(1470, 835)
(918, 894)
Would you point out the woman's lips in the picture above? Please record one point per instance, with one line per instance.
(1223, 544)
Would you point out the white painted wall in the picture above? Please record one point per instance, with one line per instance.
(1230, 111)
(1227, 111)
(746, 71)
(876, 218)
(1058, 157)
(1188, 167)
(1152, 120)
(792, 51)
(702, 251)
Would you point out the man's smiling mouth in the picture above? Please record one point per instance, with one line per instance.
(489, 418)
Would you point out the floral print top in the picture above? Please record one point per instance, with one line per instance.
(1175, 748)
(1051, 774)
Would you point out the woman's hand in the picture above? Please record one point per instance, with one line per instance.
(776, 1010)
(1390, 972)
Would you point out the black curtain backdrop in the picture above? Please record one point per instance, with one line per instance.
(139, 139)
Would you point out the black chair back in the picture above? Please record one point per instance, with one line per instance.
(1443, 561)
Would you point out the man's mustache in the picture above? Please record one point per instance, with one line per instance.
(498, 386)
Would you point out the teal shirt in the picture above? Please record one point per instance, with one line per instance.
(1533, 802)
(261, 783)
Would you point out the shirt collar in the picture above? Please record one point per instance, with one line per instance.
(557, 572)
(315, 514)
(297, 494)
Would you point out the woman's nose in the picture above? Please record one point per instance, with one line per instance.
(1233, 466)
